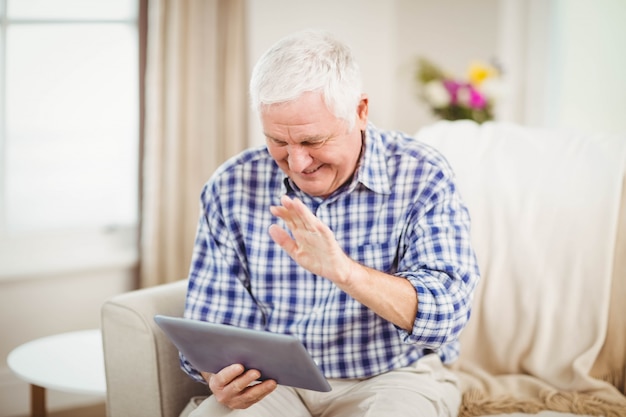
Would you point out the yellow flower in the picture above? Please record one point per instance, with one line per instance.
(479, 71)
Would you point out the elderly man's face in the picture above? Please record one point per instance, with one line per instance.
(311, 145)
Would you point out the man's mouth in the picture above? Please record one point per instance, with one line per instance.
(312, 171)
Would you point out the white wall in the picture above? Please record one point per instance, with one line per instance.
(565, 62)
(589, 73)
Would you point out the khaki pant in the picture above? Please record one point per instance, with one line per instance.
(425, 389)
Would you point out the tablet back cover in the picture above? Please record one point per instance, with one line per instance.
(211, 347)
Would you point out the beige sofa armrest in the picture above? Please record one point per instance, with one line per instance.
(142, 369)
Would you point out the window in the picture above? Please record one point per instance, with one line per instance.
(69, 134)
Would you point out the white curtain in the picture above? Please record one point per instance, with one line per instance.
(196, 117)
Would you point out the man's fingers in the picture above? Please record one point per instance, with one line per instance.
(296, 215)
(241, 383)
(252, 395)
(296, 212)
(237, 389)
(207, 376)
(218, 381)
(284, 214)
(282, 238)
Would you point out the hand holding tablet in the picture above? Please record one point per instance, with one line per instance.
(211, 347)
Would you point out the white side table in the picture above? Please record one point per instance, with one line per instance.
(71, 362)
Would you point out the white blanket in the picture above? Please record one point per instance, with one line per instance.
(545, 206)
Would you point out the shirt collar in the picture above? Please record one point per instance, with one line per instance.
(372, 171)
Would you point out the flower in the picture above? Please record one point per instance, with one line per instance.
(479, 71)
(452, 98)
(437, 94)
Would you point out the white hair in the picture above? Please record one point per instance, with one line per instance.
(308, 61)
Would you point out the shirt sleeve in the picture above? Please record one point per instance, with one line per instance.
(439, 262)
(218, 277)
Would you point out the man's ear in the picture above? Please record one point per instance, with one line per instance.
(362, 112)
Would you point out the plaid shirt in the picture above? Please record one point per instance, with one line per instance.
(400, 214)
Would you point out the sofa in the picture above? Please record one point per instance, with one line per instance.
(547, 333)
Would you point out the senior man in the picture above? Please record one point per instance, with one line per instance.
(352, 238)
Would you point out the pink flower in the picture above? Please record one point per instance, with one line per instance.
(453, 89)
(476, 100)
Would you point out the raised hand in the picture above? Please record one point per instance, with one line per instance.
(313, 245)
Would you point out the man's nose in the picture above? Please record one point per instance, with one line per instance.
(298, 158)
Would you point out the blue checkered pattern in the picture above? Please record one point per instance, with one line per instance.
(400, 214)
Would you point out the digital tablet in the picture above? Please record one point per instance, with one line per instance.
(210, 347)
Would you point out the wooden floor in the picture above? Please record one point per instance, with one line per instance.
(97, 410)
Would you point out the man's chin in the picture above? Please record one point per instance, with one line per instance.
(314, 190)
